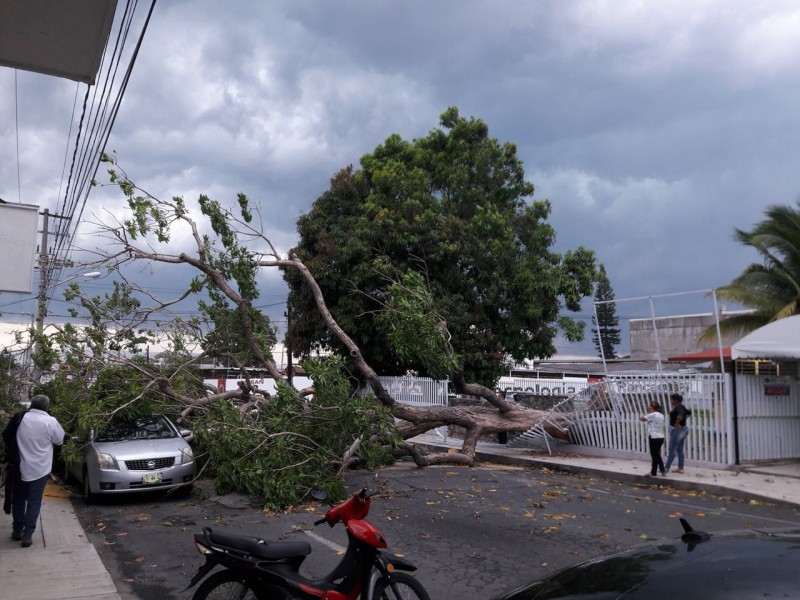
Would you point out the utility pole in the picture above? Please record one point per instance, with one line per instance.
(41, 298)
(45, 265)
(41, 306)
(44, 270)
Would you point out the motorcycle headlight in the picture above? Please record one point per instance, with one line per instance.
(105, 461)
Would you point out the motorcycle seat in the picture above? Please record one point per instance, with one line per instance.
(260, 548)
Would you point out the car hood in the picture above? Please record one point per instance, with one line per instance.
(142, 448)
(736, 565)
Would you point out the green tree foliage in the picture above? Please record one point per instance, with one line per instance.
(290, 447)
(605, 333)
(771, 287)
(281, 447)
(10, 387)
(115, 391)
(414, 329)
(455, 208)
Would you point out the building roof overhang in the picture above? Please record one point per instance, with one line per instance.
(64, 39)
(702, 356)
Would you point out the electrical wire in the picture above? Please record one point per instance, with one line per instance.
(100, 108)
(85, 145)
(69, 137)
(16, 125)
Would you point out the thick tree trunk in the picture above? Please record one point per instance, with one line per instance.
(476, 420)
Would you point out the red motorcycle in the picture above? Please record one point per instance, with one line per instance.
(257, 569)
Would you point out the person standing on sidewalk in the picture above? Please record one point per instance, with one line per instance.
(36, 435)
(655, 436)
(678, 430)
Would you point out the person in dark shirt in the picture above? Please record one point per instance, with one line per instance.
(678, 430)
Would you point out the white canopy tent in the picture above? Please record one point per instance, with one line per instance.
(779, 339)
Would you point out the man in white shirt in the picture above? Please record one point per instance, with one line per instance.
(36, 435)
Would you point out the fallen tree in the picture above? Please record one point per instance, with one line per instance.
(228, 271)
(431, 259)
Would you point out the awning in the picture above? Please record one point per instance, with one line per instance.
(703, 356)
(779, 339)
(55, 37)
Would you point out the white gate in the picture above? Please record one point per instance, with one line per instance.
(606, 415)
(768, 417)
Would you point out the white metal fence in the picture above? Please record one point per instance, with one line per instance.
(768, 417)
(418, 391)
(606, 415)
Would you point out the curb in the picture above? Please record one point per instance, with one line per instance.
(505, 458)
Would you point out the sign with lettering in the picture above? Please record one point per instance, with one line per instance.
(777, 386)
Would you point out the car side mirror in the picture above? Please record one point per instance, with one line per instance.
(185, 433)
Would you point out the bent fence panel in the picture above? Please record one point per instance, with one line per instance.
(609, 418)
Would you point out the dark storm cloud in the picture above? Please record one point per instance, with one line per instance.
(653, 128)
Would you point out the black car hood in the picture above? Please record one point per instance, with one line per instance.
(736, 565)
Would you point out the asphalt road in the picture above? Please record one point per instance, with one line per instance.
(473, 532)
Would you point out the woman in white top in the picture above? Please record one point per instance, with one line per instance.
(655, 436)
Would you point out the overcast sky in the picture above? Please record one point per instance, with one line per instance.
(654, 128)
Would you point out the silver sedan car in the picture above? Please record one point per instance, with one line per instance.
(145, 453)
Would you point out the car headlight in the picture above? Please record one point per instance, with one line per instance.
(187, 455)
(105, 461)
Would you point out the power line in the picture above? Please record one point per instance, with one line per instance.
(69, 136)
(98, 115)
(16, 124)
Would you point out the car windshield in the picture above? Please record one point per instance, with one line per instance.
(149, 427)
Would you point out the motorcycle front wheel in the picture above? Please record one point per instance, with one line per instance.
(225, 585)
(407, 586)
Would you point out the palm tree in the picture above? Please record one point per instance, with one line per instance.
(770, 288)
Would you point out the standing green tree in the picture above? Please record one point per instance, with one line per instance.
(453, 207)
(771, 288)
(605, 333)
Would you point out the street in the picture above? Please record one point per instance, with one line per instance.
(473, 532)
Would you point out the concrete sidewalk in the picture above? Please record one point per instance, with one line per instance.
(63, 564)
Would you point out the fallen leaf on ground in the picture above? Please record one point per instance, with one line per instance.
(550, 529)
